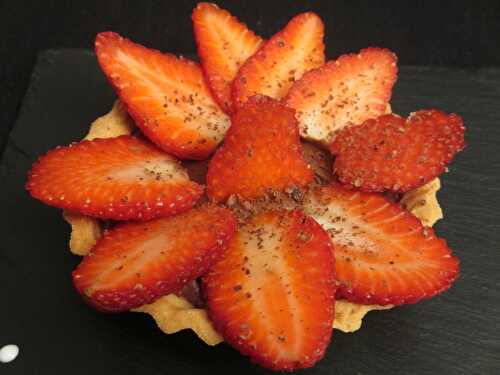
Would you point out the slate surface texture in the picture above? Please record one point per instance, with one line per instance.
(456, 333)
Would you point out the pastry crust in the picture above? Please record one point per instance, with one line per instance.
(349, 316)
(85, 231)
(422, 202)
(174, 313)
(113, 124)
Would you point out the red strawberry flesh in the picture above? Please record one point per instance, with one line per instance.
(347, 91)
(383, 254)
(261, 152)
(396, 154)
(136, 263)
(281, 60)
(272, 294)
(224, 44)
(122, 178)
(165, 95)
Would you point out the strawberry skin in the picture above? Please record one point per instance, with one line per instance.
(122, 178)
(261, 152)
(224, 44)
(347, 91)
(136, 263)
(394, 154)
(166, 96)
(272, 294)
(383, 254)
(282, 60)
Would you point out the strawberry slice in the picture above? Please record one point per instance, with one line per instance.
(282, 60)
(261, 152)
(136, 263)
(224, 44)
(391, 153)
(383, 254)
(349, 90)
(122, 178)
(272, 294)
(165, 95)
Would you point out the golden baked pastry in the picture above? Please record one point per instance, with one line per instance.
(174, 313)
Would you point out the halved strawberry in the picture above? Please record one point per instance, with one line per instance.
(347, 91)
(396, 154)
(122, 178)
(165, 95)
(136, 263)
(272, 294)
(261, 152)
(282, 60)
(383, 254)
(224, 44)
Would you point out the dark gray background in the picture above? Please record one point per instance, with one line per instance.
(460, 33)
(456, 333)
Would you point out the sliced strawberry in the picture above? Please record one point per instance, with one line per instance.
(261, 152)
(347, 91)
(391, 153)
(122, 178)
(383, 254)
(272, 293)
(224, 44)
(165, 95)
(136, 263)
(282, 60)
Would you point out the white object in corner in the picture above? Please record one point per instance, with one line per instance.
(8, 353)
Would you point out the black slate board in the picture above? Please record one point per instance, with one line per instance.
(457, 332)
